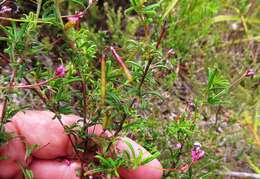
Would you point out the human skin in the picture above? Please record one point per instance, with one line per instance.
(54, 156)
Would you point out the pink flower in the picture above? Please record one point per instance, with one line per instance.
(60, 71)
(197, 154)
(75, 18)
(250, 73)
(5, 9)
(192, 106)
(178, 145)
(90, 2)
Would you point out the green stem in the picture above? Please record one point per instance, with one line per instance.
(57, 8)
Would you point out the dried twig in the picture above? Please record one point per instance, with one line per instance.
(239, 174)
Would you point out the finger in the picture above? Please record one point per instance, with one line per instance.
(12, 154)
(54, 169)
(151, 170)
(38, 127)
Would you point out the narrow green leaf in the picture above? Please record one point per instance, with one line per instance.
(150, 158)
(103, 160)
(131, 148)
(29, 149)
(170, 8)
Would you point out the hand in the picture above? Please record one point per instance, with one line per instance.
(53, 158)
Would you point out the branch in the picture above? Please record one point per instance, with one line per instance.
(239, 174)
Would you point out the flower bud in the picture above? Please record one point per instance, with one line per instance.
(250, 73)
(178, 145)
(60, 71)
(192, 107)
(75, 18)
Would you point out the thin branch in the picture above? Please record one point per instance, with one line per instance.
(12, 86)
(239, 174)
(2, 120)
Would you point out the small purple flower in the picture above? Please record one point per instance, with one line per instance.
(250, 73)
(192, 107)
(5, 9)
(60, 71)
(171, 53)
(197, 145)
(197, 153)
(178, 145)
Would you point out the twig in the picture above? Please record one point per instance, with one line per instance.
(43, 98)
(31, 85)
(239, 174)
(217, 115)
(2, 120)
(39, 5)
(6, 98)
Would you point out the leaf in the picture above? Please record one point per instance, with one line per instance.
(211, 76)
(103, 79)
(121, 63)
(112, 162)
(214, 100)
(152, 6)
(78, 2)
(131, 148)
(28, 174)
(135, 2)
(103, 160)
(127, 154)
(170, 8)
(135, 64)
(29, 149)
(154, 93)
(114, 97)
(129, 10)
(138, 160)
(150, 12)
(150, 158)
(253, 166)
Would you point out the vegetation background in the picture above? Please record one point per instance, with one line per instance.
(165, 73)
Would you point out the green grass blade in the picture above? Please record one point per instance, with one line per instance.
(170, 8)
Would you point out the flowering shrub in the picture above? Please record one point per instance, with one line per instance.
(165, 73)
